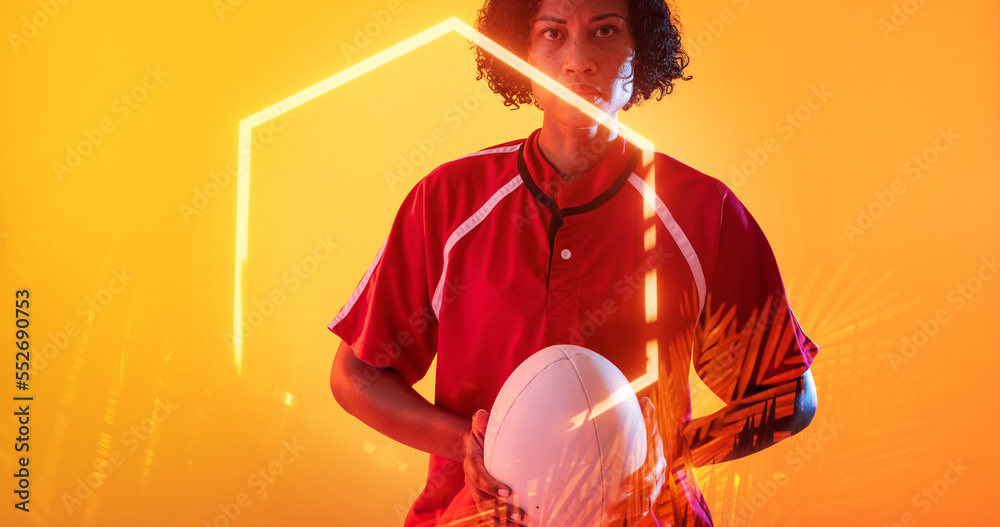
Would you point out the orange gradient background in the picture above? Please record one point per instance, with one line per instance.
(139, 415)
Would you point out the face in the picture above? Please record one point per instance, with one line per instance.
(585, 45)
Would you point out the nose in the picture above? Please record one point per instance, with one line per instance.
(579, 57)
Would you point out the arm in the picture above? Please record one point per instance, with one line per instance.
(745, 426)
(380, 398)
(750, 351)
(380, 318)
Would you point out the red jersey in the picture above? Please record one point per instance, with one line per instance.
(493, 256)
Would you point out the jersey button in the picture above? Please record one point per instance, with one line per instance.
(566, 254)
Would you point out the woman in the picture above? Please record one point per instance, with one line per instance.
(549, 240)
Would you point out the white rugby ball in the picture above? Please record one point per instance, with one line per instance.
(564, 432)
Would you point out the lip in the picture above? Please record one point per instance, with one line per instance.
(584, 89)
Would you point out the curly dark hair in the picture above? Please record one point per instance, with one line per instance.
(658, 61)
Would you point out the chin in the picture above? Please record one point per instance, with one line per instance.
(569, 116)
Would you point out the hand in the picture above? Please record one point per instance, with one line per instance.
(643, 487)
(488, 493)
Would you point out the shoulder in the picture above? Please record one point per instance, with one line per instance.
(694, 198)
(456, 189)
(696, 202)
(692, 189)
(473, 177)
(679, 178)
(479, 168)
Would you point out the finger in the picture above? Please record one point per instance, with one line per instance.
(514, 514)
(618, 512)
(506, 523)
(479, 421)
(481, 479)
(648, 414)
(509, 513)
(506, 514)
(632, 482)
(495, 509)
(489, 501)
(483, 489)
(654, 443)
(492, 505)
(486, 503)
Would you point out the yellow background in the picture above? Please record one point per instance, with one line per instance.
(888, 424)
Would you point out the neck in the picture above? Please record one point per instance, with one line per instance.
(575, 151)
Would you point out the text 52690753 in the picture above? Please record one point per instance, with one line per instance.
(22, 374)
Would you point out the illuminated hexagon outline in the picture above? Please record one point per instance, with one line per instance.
(452, 24)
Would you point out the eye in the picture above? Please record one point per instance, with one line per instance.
(606, 31)
(550, 33)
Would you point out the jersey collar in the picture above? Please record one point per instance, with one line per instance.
(585, 193)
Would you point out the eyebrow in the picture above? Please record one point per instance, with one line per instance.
(547, 18)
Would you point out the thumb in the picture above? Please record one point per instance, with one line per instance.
(648, 415)
(479, 421)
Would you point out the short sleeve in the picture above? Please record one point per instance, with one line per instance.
(388, 320)
(748, 338)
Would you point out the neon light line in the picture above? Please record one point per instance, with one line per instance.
(247, 125)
